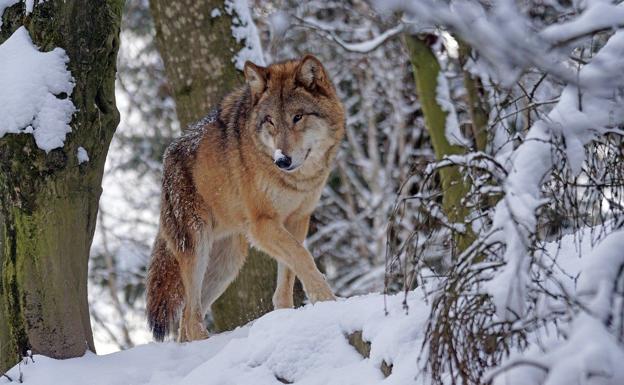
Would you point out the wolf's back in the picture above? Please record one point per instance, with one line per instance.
(164, 290)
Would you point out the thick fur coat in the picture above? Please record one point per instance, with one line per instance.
(251, 171)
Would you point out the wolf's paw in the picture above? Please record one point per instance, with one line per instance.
(283, 302)
(321, 294)
(196, 331)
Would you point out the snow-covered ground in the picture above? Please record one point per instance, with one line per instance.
(302, 346)
(310, 345)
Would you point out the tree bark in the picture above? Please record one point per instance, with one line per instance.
(197, 50)
(426, 70)
(49, 202)
(476, 100)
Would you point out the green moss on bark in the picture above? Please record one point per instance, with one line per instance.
(454, 188)
(477, 105)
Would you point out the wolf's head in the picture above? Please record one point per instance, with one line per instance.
(296, 117)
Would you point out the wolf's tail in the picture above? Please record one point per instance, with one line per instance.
(164, 290)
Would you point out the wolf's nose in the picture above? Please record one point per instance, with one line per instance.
(284, 161)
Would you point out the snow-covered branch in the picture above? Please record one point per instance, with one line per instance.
(578, 124)
(506, 37)
(359, 47)
(590, 350)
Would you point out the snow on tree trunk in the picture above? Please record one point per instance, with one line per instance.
(202, 43)
(48, 193)
(197, 43)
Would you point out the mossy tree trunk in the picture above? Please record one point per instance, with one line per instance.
(454, 188)
(197, 50)
(49, 202)
(476, 100)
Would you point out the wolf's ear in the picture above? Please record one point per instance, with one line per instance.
(312, 75)
(256, 78)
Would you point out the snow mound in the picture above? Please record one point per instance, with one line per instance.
(29, 84)
(302, 346)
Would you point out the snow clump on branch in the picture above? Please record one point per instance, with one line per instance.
(34, 90)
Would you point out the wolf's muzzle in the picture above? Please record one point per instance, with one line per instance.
(284, 162)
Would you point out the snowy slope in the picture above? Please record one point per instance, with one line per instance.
(304, 346)
(309, 346)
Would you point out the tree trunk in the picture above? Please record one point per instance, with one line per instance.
(197, 50)
(49, 202)
(249, 296)
(426, 70)
(476, 98)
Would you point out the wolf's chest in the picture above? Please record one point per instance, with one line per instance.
(286, 201)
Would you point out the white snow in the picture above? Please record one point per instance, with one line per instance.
(443, 97)
(505, 36)
(600, 274)
(304, 346)
(596, 17)
(82, 155)
(515, 214)
(244, 31)
(370, 45)
(367, 46)
(280, 22)
(309, 345)
(4, 4)
(360, 47)
(589, 348)
(215, 13)
(29, 83)
(30, 5)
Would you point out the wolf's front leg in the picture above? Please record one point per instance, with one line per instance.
(270, 236)
(283, 296)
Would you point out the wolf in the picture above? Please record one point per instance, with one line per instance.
(251, 172)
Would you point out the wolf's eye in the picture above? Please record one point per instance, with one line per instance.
(297, 118)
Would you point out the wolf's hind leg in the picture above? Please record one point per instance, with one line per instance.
(192, 268)
(227, 257)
